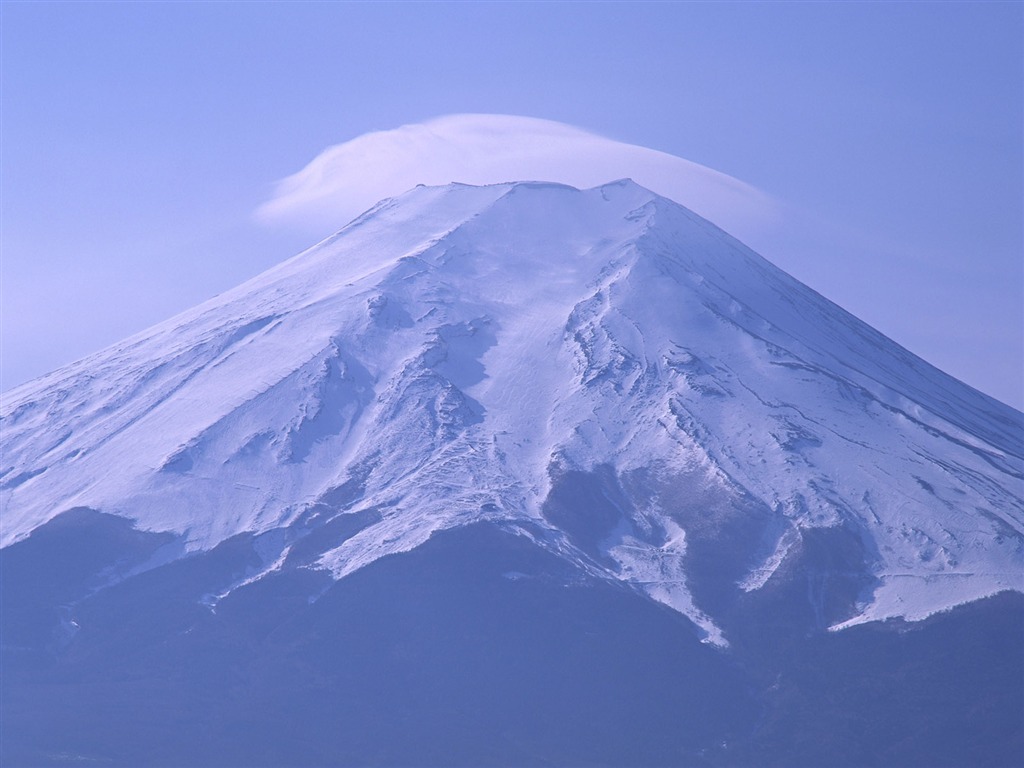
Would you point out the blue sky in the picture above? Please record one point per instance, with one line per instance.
(139, 139)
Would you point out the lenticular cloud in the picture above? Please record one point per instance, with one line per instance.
(346, 179)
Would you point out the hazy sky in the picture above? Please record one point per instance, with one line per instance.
(140, 139)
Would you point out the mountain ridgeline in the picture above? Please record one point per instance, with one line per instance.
(512, 475)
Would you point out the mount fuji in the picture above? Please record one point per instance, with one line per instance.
(521, 475)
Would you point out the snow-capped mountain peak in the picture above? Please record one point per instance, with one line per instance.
(601, 371)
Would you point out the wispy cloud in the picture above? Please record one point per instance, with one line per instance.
(346, 179)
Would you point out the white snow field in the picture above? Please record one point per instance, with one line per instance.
(450, 353)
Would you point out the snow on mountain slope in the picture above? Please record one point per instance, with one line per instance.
(493, 353)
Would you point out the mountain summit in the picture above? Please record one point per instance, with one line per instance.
(601, 371)
(453, 478)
